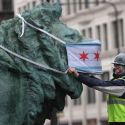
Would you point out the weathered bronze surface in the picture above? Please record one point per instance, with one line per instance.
(28, 93)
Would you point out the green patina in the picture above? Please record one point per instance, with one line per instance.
(28, 94)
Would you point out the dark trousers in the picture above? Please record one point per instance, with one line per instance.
(116, 123)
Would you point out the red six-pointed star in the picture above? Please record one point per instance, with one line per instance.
(96, 56)
(84, 56)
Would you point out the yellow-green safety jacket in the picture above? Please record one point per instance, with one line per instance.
(116, 107)
(116, 90)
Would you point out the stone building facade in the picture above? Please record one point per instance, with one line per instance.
(94, 19)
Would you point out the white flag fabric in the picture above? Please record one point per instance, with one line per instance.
(85, 56)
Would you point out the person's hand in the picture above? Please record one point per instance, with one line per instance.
(73, 71)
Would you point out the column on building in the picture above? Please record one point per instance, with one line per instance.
(64, 7)
(84, 105)
(70, 111)
(110, 36)
(98, 107)
(124, 28)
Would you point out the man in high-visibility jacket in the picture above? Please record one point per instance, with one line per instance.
(115, 88)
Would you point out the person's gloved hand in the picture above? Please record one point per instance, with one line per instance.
(73, 71)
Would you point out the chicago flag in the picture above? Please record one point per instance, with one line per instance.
(85, 56)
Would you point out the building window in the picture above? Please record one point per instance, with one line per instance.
(24, 8)
(96, 2)
(83, 33)
(115, 35)
(7, 5)
(103, 0)
(80, 4)
(63, 123)
(74, 6)
(90, 32)
(104, 76)
(104, 97)
(52, 1)
(86, 3)
(42, 1)
(121, 32)
(98, 35)
(66, 101)
(19, 10)
(34, 3)
(28, 6)
(105, 33)
(104, 122)
(77, 101)
(77, 123)
(91, 122)
(91, 95)
(68, 7)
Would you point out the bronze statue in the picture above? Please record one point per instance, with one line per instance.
(29, 93)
